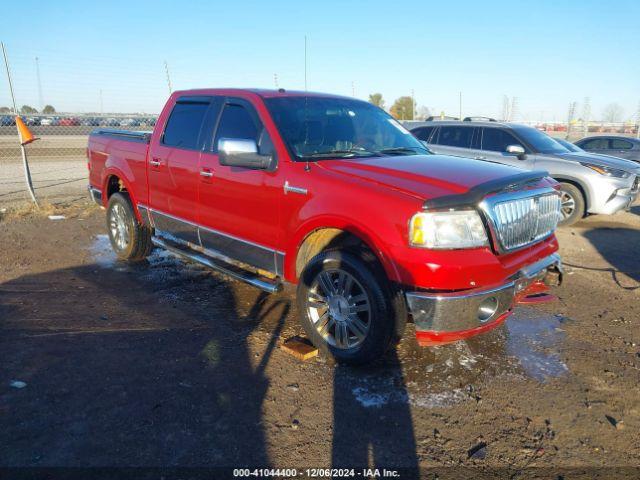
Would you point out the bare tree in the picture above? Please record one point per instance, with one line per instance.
(612, 113)
(423, 112)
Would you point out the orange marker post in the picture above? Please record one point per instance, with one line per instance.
(26, 137)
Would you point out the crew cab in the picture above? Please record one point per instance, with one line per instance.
(331, 195)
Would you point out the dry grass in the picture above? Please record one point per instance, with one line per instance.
(45, 208)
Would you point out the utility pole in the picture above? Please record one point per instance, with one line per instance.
(275, 80)
(505, 108)
(25, 163)
(305, 63)
(40, 97)
(570, 116)
(413, 104)
(353, 88)
(638, 122)
(101, 104)
(166, 69)
(514, 108)
(586, 116)
(460, 105)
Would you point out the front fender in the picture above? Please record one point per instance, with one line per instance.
(367, 235)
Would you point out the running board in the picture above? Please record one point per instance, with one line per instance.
(270, 286)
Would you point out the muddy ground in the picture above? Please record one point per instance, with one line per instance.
(167, 364)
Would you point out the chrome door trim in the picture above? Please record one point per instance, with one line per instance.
(177, 227)
(236, 248)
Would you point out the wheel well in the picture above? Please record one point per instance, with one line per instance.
(329, 239)
(579, 187)
(114, 185)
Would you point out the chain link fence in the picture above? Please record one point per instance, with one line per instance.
(62, 98)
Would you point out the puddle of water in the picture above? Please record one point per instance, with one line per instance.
(438, 377)
(168, 273)
(535, 340)
(101, 251)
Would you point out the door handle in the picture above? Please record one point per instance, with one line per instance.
(155, 162)
(206, 173)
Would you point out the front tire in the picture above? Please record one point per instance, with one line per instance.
(129, 238)
(348, 308)
(572, 204)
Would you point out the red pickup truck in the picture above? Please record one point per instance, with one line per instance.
(333, 195)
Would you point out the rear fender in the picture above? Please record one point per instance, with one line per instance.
(126, 181)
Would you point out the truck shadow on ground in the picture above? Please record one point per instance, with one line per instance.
(619, 247)
(116, 376)
(151, 365)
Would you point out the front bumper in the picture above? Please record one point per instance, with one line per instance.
(613, 195)
(447, 317)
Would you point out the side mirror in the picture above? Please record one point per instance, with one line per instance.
(517, 150)
(242, 152)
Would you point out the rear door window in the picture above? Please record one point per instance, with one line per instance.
(184, 124)
(497, 139)
(596, 144)
(456, 136)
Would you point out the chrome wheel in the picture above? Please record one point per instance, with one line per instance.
(339, 308)
(120, 227)
(567, 204)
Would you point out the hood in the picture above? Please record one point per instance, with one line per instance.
(601, 160)
(422, 176)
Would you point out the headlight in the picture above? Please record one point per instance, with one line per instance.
(607, 171)
(447, 230)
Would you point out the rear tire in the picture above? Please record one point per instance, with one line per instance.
(129, 238)
(348, 307)
(572, 204)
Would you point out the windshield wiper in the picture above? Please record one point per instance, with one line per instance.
(339, 153)
(401, 150)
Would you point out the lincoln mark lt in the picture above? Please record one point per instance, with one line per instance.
(331, 195)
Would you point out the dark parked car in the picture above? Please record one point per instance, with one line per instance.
(90, 122)
(7, 121)
(617, 146)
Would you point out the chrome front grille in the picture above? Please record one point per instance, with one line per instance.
(522, 218)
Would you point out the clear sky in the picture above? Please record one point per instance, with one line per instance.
(110, 55)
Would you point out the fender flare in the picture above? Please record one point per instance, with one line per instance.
(115, 171)
(314, 224)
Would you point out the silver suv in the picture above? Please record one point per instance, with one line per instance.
(590, 183)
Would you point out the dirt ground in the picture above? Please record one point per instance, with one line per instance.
(166, 364)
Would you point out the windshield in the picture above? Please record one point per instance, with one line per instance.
(541, 142)
(324, 127)
(569, 146)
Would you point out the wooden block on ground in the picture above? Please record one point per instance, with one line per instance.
(299, 347)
